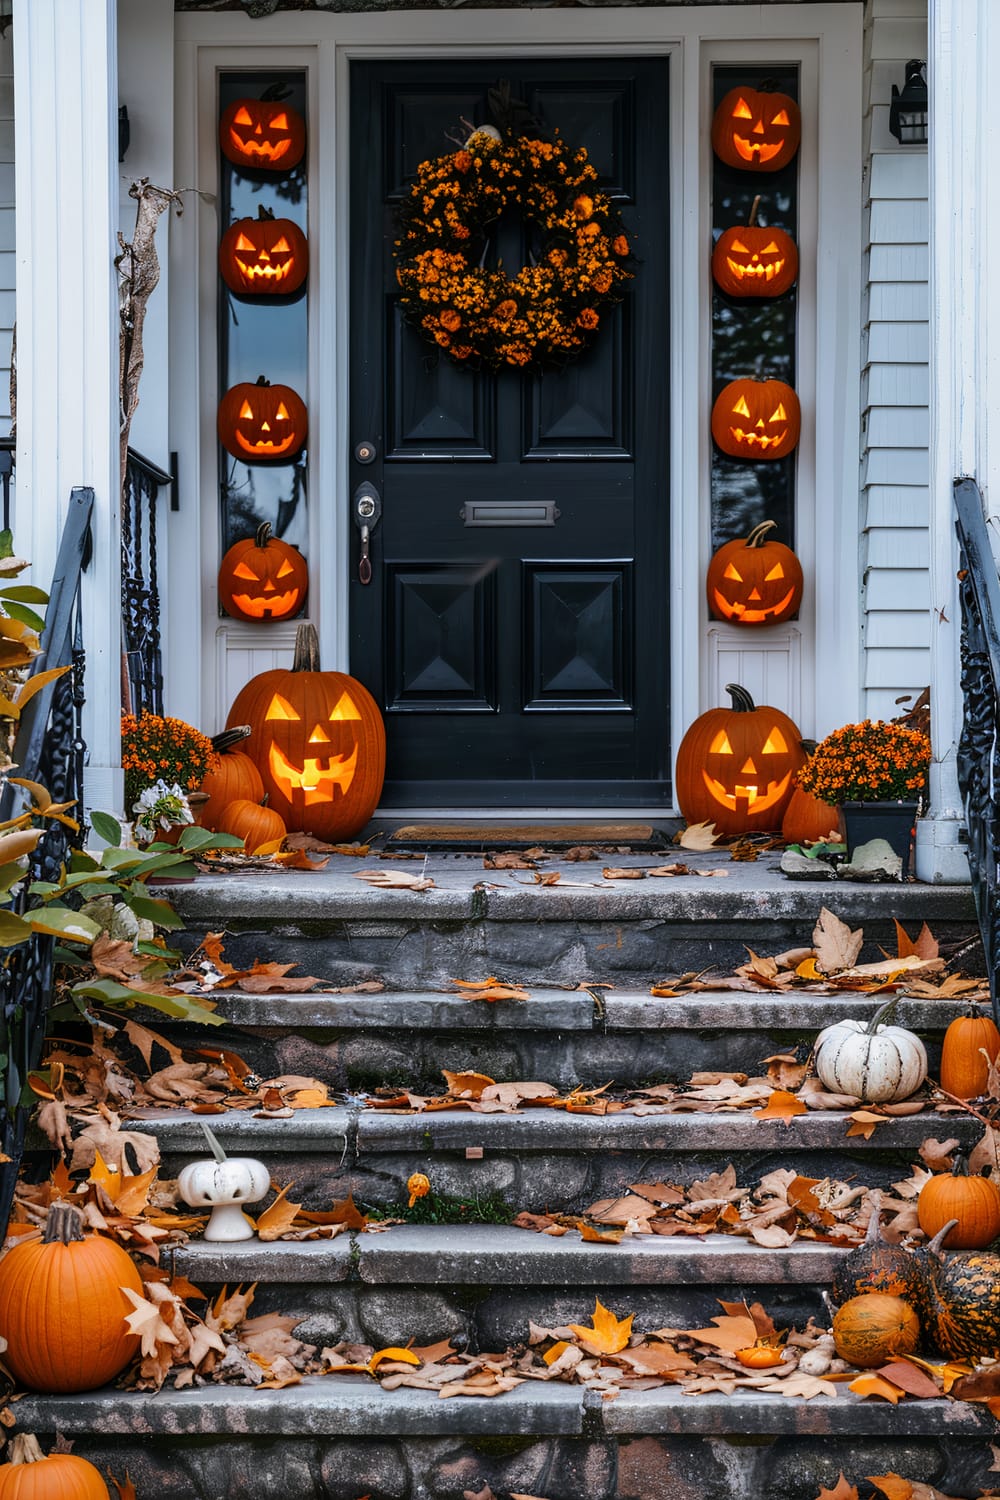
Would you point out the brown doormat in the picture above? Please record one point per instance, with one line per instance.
(488, 835)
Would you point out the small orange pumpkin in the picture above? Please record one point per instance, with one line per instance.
(871, 1329)
(754, 581)
(756, 419)
(735, 766)
(264, 257)
(756, 130)
(971, 1043)
(760, 1356)
(235, 779)
(751, 261)
(262, 578)
(254, 824)
(808, 819)
(972, 1202)
(62, 1309)
(33, 1475)
(262, 423)
(265, 134)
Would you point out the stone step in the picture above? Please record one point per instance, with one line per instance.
(476, 922)
(564, 1037)
(341, 1437)
(542, 1159)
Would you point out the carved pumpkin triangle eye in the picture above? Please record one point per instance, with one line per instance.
(775, 744)
(280, 708)
(732, 573)
(781, 118)
(741, 409)
(779, 414)
(242, 243)
(345, 708)
(282, 246)
(720, 745)
(742, 111)
(242, 116)
(246, 411)
(281, 415)
(740, 248)
(287, 568)
(770, 249)
(280, 122)
(776, 572)
(242, 571)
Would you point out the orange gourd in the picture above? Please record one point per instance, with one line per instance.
(235, 779)
(263, 134)
(756, 419)
(971, 1204)
(760, 1356)
(808, 819)
(262, 578)
(264, 257)
(754, 580)
(33, 1475)
(876, 1265)
(971, 1044)
(871, 1329)
(756, 130)
(735, 766)
(254, 824)
(317, 740)
(62, 1310)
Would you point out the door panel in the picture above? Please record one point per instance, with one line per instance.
(515, 626)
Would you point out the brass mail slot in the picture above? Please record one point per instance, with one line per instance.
(510, 513)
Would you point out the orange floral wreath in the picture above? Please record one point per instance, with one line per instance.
(550, 311)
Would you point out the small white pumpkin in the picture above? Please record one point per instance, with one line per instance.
(225, 1186)
(872, 1062)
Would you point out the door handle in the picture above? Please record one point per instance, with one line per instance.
(367, 514)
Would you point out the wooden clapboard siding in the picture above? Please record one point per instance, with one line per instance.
(6, 221)
(895, 382)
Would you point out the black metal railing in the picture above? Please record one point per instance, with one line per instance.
(979, 743)
(49, 749)
(7, 446)
(142, 687)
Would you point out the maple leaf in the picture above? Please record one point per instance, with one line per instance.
(697, 836)
(781, 1105)
(837, 947)
(924, 945)
(841, 1491)
(147, 1323)
(125, 1487)
(730, 1333)
(608, 1334)
(278, 1216)
(865, 1122)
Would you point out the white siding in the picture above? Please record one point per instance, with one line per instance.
(6, 222)
(895, 383)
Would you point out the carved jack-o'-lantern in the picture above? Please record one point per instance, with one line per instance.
(755, 581)
(735, 766)
(318, 741)
(756, 419)
(262, 423)
(262, 133)
(756, 131)
(750, 261)
(264, 257)
(262, 578)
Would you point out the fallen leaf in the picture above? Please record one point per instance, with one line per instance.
(872, 1384)
(629, 873)
(277, 1217)
(837, 947)
(697, 836)
(490, 989)
(396, 1356)
(937, 1155)
(608, 1334)
(399, 880)
(841, 1491)
(781, 1105)
(911, 1379)
(924, 945)
(865, 1123)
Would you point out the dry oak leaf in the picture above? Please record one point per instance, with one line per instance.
(781, 1105)
(397, 880)
(837, 947)
(697, 836)
(937, 1155)
(841, 1491)
(608, 1334)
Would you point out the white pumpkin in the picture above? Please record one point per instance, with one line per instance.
(876, 1063)
(225, 1186)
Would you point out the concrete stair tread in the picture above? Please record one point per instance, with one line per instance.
(345, 1406)
(495, 1255)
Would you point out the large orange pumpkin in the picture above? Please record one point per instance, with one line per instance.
(751, 261)
(33, 1475)
(264, 257)
(756, 419)
(262, 578)
(318, 740)
(62, 1310)
(262, 133)
(735, 766)
(236, 778)
(262, 423)
(756, 131)
(755, 581)
(970, 1205)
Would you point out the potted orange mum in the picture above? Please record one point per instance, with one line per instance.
(875, 773)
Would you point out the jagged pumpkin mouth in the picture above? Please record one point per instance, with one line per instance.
(755, 799)
(316, 779)
(263, 605)
(760, 151)
(266, 447)
(762, 440)
(269, 270)
(273, 150)
(735, 609)
(756, 270)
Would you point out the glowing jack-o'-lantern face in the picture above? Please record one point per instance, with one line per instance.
(756, 131)
(262, 133)
(755, 262)
(735, 766)
(264, 257)
(262, 423)
(754, 581)
(756, 419)
(262, 578)
(317, 740)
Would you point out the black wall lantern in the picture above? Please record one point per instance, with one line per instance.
(908, 110)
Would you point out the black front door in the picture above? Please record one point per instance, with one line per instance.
(514, 628)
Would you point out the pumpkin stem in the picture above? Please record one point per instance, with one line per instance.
(227, 738)
(885, 1010)
(960, 1166)
(758, 536)
(751, 221)
(263, 534)
(25, 1449)
(936, 1245)
(306, 657)
(264, 214)
(741, 699)
(64, 1224)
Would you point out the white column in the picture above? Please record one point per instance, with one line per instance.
(66, 185)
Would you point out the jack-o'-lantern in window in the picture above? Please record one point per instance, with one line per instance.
(756, 130)
(751, 261)
(735, 766)
(262, 578)
(756, 419)
(318, 741)
(754, 581)
(264, 134)
(264, 257)
(262, 423)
